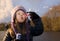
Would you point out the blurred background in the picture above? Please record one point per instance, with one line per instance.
(48, 10)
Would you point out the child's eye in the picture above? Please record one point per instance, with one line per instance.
(18, 13)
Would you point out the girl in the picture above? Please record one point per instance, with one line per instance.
(21, 28)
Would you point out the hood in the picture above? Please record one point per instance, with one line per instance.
(14, 11)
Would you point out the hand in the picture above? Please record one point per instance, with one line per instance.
(33, 15)
(26, 15)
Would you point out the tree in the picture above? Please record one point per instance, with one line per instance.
(52, 18)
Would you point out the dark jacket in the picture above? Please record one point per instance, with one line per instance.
(34, 30)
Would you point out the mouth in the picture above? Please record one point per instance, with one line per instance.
(21, 17)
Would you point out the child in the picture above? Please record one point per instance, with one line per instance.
(21, 28)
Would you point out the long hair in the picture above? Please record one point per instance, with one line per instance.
(26, 27)
(13, 22)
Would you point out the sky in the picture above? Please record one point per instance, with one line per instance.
(39, 6)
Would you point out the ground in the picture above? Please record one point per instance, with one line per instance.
(46, 36)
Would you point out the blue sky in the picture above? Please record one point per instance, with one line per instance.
(39, 6)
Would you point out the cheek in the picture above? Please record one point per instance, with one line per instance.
(25, 16)
(18, 18)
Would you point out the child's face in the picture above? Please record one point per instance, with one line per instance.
(20, 16)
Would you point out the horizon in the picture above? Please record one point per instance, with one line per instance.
(39, 6)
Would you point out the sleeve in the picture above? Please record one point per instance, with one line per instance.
(38, 28)
(7, 36)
